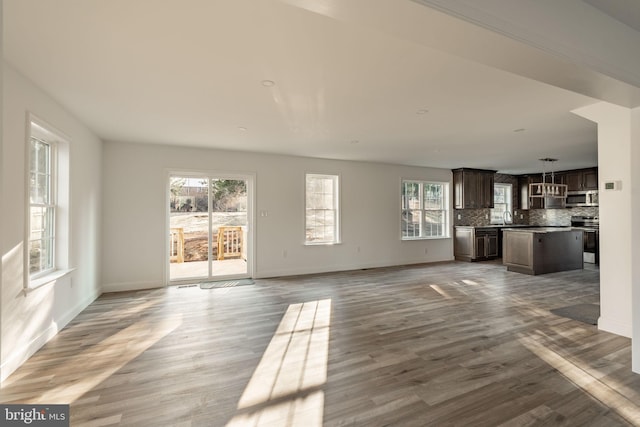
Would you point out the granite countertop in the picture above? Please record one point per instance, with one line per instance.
(496, 226)
(541, 230)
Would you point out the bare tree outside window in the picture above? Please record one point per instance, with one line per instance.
(321, 209)
(424, 209)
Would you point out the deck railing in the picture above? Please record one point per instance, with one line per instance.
(229, 242)
(176, 245)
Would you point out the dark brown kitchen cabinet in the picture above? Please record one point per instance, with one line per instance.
(582, 179)
(476, 243)
(473, 188)
(523, 187)
(590, 179)
(486, 243)
(558, 178)
(574, 181)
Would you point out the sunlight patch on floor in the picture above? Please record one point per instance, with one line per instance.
(587, 380)
(285, 387)
(442, 292)
(98, 362)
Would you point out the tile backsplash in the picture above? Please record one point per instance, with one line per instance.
(478, 217)
(540, 217)
(560, 217)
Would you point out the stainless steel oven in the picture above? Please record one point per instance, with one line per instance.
(582, 198)
(590, 226)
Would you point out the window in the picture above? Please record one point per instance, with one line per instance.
(501, 203)
(321, 209)
(47, 217)
(42, 209)
(424, 210)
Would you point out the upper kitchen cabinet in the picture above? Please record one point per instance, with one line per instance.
(473, 188)
(582, 179)
(559, 178)
(523, 189)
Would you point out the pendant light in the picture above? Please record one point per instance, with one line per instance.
(554, 194)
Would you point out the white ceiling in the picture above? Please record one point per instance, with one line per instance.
(625, 11)
(190, 73)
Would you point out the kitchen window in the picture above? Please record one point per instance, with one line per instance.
(502, 202)
(48, 195)
(424, 207)
(322, 225)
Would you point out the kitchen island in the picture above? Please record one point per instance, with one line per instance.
(542, 250)
(479, 242)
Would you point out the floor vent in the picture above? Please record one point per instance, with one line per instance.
(226, 284)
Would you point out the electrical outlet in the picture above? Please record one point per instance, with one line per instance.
(459, 216)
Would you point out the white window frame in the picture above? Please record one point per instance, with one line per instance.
(334, 210)
(497, 216)
(59, 202)
(404, 210)
(47, 204)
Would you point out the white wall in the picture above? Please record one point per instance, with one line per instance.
(1, 174)
(31, 319)
(635, 238)
(615, 162)
(135, 207)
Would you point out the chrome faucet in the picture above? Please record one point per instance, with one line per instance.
(507, 218)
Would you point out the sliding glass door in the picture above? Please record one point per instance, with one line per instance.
(209, 224)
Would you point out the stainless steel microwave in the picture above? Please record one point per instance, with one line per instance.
(582, 198)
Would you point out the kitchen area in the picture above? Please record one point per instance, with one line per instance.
(536, 223)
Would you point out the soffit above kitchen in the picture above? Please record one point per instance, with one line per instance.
(295, 77)
(625, 11)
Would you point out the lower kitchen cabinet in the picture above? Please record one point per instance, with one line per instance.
(476, 243)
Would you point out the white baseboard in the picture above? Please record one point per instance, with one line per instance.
(337, 268)
(130, 286)
(18, 356)
(614, 326)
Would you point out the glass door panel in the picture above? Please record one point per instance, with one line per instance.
(208, 228)
(229, 227)
(189, 240)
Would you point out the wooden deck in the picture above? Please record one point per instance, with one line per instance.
(434, 345)
(187, 270)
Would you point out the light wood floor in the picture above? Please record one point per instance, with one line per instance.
(447, 344)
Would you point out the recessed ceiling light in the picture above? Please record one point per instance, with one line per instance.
(268, 83)
(519, 130)
(422, 111)
(242, 128)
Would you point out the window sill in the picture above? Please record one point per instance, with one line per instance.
(322, 243)
(408, 239)
(47, 278)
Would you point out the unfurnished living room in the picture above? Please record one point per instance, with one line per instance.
(320, 213)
